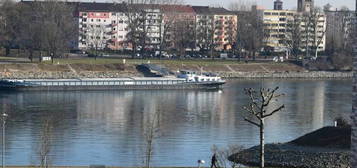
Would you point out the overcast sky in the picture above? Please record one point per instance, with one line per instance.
(268, 4)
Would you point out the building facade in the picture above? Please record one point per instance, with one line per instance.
(215, 27)
(102, 25)
(305, 6)
(276, 24)
(225, 28)
(339, 28)
(287, 30)
(313, 31)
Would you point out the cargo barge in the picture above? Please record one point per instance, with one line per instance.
(186, 80)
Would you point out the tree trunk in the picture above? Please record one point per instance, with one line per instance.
(40, 56)
(96, 53)
(262, 143)
(316, 52)
(31, 55)
(7, 51)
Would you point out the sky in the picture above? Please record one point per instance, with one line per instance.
(268, 4)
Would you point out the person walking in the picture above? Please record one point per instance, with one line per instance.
(214, 161)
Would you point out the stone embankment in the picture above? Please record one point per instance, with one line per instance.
(67, 75)
(311, 74)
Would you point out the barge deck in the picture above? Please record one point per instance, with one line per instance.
(106, 84)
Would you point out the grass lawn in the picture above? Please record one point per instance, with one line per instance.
(7, 58)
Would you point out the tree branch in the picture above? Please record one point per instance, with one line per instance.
(276, 110)
(252, 122)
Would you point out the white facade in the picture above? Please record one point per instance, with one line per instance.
(102, 30)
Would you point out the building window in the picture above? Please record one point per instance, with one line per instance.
(84, 19)
(113, 14)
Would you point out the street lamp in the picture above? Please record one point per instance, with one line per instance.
(3, 116)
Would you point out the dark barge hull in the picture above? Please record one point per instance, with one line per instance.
(185, 86)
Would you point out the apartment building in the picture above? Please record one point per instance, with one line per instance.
(225, 28)
(179, 25)
(313, 31)
(215, 27)
(102, 25)
(106, 25)
(279, 25)
(152, 24)
(339, 28)
(204, 28)
(276, 24)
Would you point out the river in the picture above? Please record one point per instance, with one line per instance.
(107, 127)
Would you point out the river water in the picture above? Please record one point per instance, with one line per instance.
(108, 127)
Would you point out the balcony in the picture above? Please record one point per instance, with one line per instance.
(114, 24)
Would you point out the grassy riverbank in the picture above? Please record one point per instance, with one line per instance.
(115, 68)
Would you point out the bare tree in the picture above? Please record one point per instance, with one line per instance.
(293, 36)
(260, 109)
(30, 35)
(250, 33)
(168, 20)
(183, 35)
(46, 142)
(241, 5)
(204, 34)
(314, 29)
(59, 26)
(144, 24)
(8, 25)
(151, 133)
(97, 38)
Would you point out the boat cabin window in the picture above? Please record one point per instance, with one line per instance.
(188, 72)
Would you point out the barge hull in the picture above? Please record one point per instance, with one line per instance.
(115, 87)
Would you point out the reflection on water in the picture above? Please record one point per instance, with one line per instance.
(106, 127)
